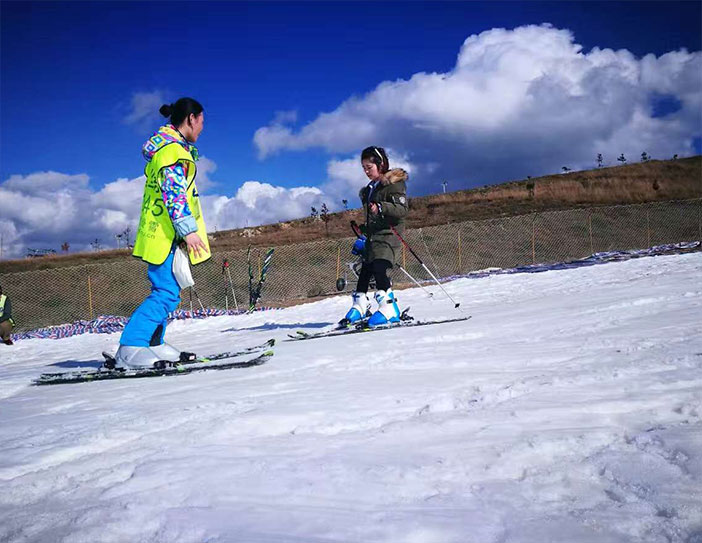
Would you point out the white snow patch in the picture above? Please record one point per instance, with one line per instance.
(567, 409)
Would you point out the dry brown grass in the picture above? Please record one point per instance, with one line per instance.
(635, 183)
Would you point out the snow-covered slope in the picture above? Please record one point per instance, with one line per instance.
(567, 410)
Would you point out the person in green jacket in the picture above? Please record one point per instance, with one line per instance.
(6, 322)
(384, 201)
(170, 216)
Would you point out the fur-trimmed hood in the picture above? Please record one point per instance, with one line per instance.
(394, 176)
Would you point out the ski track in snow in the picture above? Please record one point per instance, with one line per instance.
(567, 409)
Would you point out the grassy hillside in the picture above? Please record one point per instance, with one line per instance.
(635, 183)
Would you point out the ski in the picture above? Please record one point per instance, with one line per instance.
(232, 354)
(301, 335)
(263, 352)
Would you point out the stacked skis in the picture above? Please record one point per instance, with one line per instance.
(255, 290)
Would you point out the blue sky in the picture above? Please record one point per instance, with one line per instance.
(293, 91)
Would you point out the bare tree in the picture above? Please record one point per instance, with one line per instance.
(530, 188)
(599, 160)
(622, 159)
(324, 214)
(65, 246)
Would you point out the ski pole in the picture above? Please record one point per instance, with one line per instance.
(430, 294)
(231, 285)
(225, 265)
(357, 231)
(198, 299)
(457, 304)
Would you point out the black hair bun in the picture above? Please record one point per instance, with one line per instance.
(166, 110)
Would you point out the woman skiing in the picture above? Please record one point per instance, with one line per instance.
(170, 215)
(384, 201)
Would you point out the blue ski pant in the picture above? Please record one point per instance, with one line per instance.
(147, 325)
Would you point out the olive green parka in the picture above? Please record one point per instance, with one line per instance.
(391, 196)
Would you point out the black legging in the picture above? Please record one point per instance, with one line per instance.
(378, 269)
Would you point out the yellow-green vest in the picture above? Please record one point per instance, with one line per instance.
(156, 234)
(3, 298)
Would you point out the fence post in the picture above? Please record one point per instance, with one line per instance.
(459, 250)
(90, 299)
(338, 260)
(589, 220)
(533, 238)
(648, 230)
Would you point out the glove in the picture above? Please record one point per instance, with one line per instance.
(359, 246)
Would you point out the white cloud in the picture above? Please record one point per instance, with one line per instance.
(517, 102)
(282, 117)
(144, 108)
(345, 178)
(46, 182)
(45, 209)
(259, 203)
(205, 168)
(12, 244)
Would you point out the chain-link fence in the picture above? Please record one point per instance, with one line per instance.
(303, 271)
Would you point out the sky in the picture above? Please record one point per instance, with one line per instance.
(470, 93)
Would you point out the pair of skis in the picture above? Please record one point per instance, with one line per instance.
(361, 326)
(257, 355)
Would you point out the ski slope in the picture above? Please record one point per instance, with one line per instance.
(566, 410)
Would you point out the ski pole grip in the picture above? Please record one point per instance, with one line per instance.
(356, 229)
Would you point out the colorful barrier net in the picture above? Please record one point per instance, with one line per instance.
(108, 324)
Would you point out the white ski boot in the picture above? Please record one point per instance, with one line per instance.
(388, 312)
(132, 357)
(166, 351)
(129, 357)
(359, 309)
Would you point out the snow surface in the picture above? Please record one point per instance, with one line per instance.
(566, 410)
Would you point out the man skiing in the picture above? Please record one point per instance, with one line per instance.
(384, 201)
